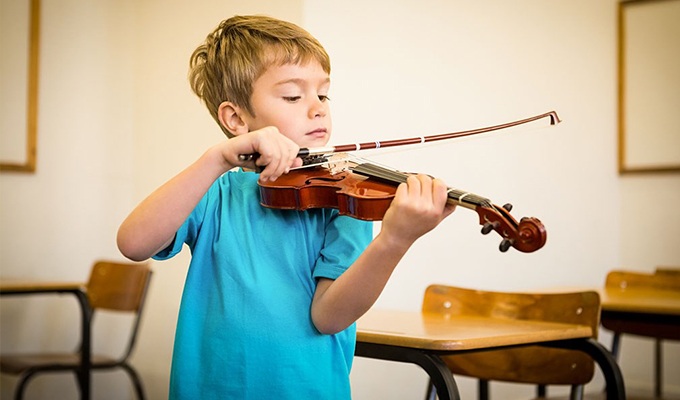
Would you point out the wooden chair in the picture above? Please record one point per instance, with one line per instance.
(532, 365)
(663, 280)
(112, 286)
(666, 271)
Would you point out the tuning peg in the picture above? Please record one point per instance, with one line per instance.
(489, 226)
(505, 245)
(508, 207)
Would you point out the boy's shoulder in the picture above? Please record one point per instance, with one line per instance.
(233, 183)
(237, 176)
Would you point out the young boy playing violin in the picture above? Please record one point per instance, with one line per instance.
(271, 296)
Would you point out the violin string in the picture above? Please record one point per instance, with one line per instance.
(391, 175)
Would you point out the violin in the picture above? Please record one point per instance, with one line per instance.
(365, 191)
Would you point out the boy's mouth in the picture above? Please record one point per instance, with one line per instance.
(318, 133)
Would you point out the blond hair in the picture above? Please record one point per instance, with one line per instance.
(233, 56)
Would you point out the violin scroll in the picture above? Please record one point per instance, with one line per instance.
(526, 236)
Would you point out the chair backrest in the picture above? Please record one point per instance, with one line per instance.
(666, 270)
(664, 278)
(120, 286)
(535, 364)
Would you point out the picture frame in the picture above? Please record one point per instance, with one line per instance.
(19, 113)
(649, 86)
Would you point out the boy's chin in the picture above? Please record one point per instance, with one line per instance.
(317, 141)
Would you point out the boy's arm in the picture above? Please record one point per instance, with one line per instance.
(419, 206)
(153, 223)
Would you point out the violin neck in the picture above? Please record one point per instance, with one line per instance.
(455, 196)
(467, 199)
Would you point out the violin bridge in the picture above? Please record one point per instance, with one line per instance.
(338, 163)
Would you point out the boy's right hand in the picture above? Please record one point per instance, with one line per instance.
(152, 225)
(276, 153)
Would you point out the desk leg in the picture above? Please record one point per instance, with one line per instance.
(658, 368)
(439, 373)
(604, 359)
(84, 374)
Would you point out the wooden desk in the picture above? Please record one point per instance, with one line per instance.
(647, 312)
(421, 339)
(661, 307)
(77, 289)
(642, 303)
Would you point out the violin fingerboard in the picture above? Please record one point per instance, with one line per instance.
(395, 177)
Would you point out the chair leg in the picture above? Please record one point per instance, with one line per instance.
(136, 381)
(616, 342)
(541, 391)
(24, 378)
(431, 393)
(576, 392)
(483, 393)
(616, 345)
(658, 369)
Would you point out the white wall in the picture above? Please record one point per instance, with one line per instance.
(117, 119)
(56, 222)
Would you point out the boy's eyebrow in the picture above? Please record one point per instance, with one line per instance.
(300, 81)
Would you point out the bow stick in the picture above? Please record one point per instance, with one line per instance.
(306, 152)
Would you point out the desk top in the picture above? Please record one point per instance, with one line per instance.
(441, 333)
(18, 287)
(641, 300)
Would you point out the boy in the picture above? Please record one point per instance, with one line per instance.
(271, 296)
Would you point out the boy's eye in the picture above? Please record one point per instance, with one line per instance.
(293, 99)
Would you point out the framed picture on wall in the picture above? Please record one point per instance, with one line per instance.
(19, 44)
(649, 85)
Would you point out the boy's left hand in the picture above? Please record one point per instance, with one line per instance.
(419, 206)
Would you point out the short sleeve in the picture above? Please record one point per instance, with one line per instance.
(345, 239)
(188, 231)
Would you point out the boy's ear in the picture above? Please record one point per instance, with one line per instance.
(229, 115)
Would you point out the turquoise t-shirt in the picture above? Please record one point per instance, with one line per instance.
(244, 329)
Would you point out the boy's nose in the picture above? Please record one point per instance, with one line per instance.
(318, 109)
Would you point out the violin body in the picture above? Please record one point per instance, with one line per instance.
(366, 191)
(351, 194)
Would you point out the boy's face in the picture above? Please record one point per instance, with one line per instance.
(293, 98)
